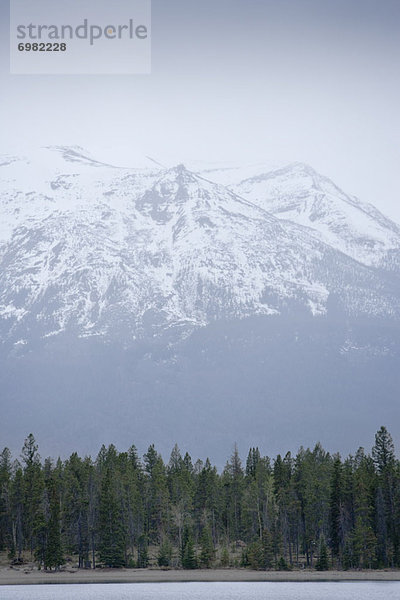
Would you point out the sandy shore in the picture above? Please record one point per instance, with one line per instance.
(27, 577)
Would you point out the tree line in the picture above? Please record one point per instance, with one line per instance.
(313, 510)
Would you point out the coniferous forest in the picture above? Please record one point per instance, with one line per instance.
(311, 510)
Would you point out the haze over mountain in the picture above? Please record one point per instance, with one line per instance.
(203, 306)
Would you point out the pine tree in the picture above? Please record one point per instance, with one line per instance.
(312, 474)
(282, 564)
(189, 560)
(323, 559)
(383, 450)
(111, 544)
(267, 549)
(187, 551)
(206, 500)
(233, 482)
(363, 537)
(133, 497)
(252, 461)
(156, 496)
(389, 532)
(207, 550)
(33, 491)
(165, 553)
(150, 459)
(17, 514)
(255, 555)
(335, 512)
(224, 557)
(143, 553)
(40, 532)
(53, 555)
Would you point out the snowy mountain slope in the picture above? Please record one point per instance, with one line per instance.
(127, 254)
(56, 179)
(153, 304)
(298, 193)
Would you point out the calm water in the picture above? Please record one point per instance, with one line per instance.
(207, 591)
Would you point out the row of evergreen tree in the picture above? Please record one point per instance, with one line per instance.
(312, 509)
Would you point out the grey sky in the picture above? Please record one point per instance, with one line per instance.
(244, 80)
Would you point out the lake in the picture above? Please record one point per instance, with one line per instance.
(368, 590)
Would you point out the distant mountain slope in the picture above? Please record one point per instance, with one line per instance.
(298, 193)
(157, 304)
(127, 253)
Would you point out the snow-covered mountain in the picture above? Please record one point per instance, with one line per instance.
(297, 193)
(198, 305)
(96, 250)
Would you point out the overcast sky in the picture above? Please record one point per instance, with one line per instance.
(244, 80)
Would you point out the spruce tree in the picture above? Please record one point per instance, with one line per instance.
(389, 531)
(53, 555)
(224, 557)
(255, 555)
(267, 549)
(165, 553)
(335, 507)
(76, 508)
(17, 514)
(143, 553)
(187, 551)
(111, 544)
(33, 491)
(322, 563)
(189, 560)
(383, 450)
(207, 550)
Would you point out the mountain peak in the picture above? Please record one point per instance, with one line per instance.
(98, 250)
(181, 173)
(299, 194)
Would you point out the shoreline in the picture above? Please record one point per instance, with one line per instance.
(14, 576)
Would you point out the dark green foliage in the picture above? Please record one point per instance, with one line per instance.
(164, 557)
(383, 451)
(207, 550)
(189, 560)
(312, 509)
(323, 559)
(388, 535)
(347, 559)
(76, 507)
(33, 494)
(143, 553)
(111, 544)
(224, 557)
(335, 513)
(47, 525)
(244, 559)
(268, 549)
(282, 564)
(187, 552)
(253, 459)
(255, 558)
(53, 556)
(16, 512)
(233, 489)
